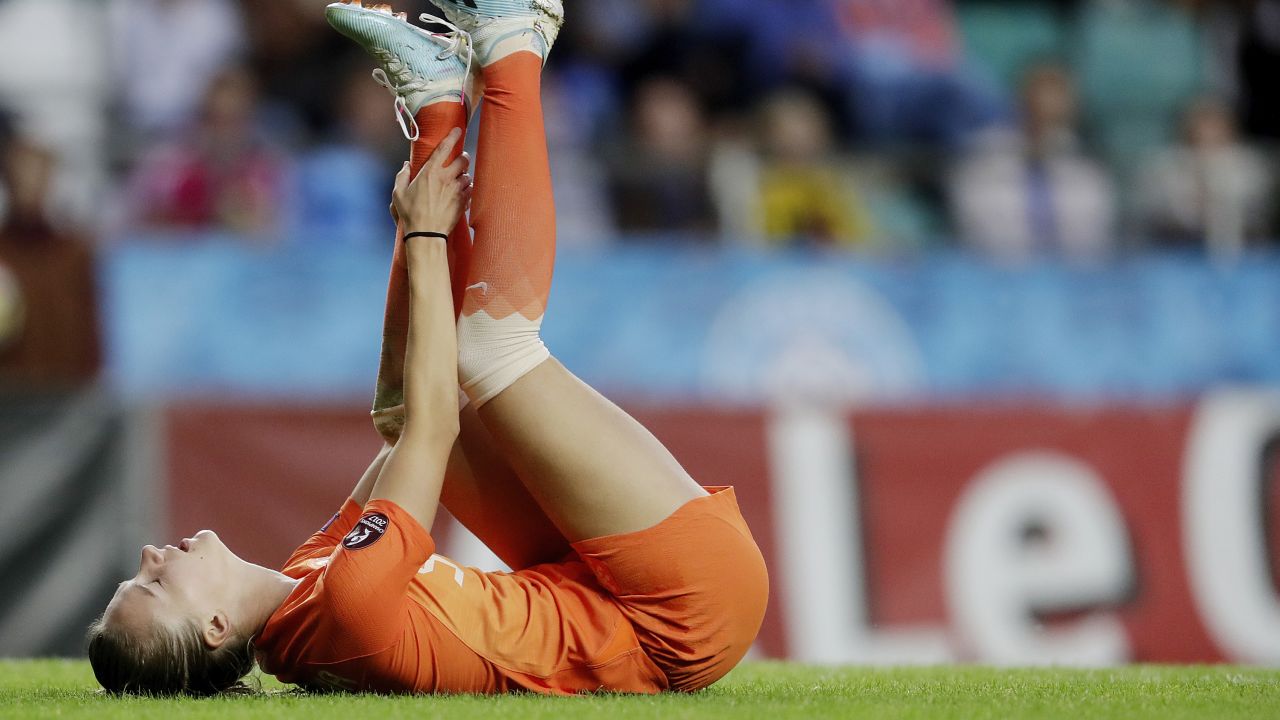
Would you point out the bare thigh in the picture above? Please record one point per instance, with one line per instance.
(593, 468)
(485, 495)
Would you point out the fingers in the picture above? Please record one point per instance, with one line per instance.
(445, 149)
(402, 180)
(435, 198)
(398, 191)
(459, 166)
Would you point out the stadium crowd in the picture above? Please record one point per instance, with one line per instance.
(1021, 129)
(1029, 129)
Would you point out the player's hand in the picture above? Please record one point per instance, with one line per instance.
(435, 199)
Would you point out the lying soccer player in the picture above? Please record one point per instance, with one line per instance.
(628, 575)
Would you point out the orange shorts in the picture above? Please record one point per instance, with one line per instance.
(694, 587)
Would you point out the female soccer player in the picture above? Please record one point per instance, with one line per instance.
(628, 575)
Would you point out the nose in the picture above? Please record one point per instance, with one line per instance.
(152, 556)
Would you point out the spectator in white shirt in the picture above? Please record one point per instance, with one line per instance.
(165, 54)
(1210, 190)
(1030, 192)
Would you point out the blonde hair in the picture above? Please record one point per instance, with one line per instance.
(166, 661)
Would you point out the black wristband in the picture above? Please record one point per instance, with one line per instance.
(442, 236)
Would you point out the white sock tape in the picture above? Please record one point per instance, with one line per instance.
(493, 354)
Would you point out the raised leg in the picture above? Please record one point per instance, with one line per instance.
(435, 121)
(480, 489)
(489, 499)
(594, 469)
(428, 74)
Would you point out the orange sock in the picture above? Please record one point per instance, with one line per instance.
(513, 213)
(435, 121)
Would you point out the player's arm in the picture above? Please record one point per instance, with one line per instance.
(432, 202)
(360, 493)
(343, 520)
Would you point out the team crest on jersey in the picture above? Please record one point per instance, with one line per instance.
(366, 532)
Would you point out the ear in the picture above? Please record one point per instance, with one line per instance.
(217, 630)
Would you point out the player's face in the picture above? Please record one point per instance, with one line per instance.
(188, 580)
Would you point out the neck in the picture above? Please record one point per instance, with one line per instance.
(267, 591)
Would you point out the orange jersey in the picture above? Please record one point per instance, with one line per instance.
(376, 610)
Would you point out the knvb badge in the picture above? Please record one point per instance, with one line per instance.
(368, 531)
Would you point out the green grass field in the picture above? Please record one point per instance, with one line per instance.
(758, 690)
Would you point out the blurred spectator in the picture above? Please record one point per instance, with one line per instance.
(904, 66)
(300, 64)
(805, 195)
(48, 304)
(649, 107)
(584, 217)
(1031, 192)
(889, 71)
(12, 308)
(343, 185)
(8, 131)
(54, 68)
(1210, 190)
(222, 174)
(659, 173)
(705, 56)
(363, 116)
(1259, 65)
(165, 54)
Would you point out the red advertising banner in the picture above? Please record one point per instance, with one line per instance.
(1015, 535)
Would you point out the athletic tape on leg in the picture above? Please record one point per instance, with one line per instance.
(493, 354)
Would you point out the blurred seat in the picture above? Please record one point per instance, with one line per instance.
(1005, 37)
(1138, 62)
(340, 198)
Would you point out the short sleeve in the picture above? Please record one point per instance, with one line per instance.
(366, 581)
(329, 535)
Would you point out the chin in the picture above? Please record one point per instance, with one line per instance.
(209, 542)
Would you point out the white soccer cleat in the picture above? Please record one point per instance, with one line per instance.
(499, 28)
(417, 66)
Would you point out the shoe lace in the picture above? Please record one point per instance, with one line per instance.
(397, 77)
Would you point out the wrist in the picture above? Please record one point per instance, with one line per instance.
(422, 249)
(425, 223)
(410, 234)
